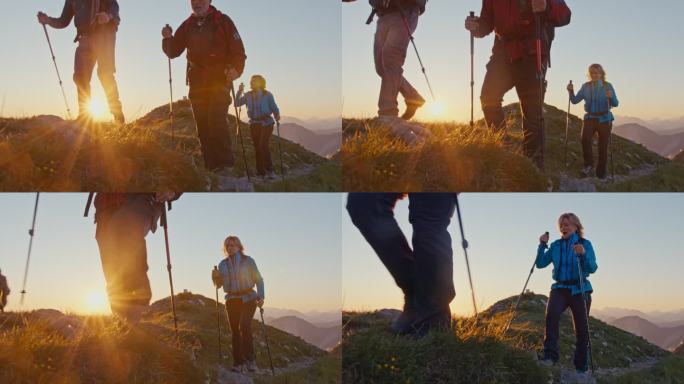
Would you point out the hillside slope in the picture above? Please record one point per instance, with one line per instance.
(464, 159)
(667, 144)
(479, 353)
(325, 338)
(47, 153)
(48, 346)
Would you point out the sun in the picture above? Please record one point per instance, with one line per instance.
(437, 108)
(98, 110)
(97, 302)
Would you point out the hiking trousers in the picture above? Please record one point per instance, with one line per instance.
(559, 300)
(391, 44)
(210, 110)
(120, 235)
(424, 273)
(97, 48)
(240, 315)
(502, 76)
(3, 301)
(589, 129)
(261, 136)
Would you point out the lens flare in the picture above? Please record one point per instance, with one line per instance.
(437, 108)
(97, 302)
(98, 110)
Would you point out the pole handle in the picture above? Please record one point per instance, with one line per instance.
(472, 14)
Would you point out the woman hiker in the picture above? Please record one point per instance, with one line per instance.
(263, 113)
(238, 274)
(599, 96)
(565, 253)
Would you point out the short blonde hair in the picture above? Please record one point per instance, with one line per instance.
(574, 220)
(597, 67)
(259, 82)
(232, 239)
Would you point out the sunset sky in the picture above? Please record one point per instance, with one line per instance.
(636, 49)
(637, 239)
(294, 239)
(294, 44)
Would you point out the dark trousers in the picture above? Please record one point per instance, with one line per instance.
(98, 49)
(210, 110)
(120, 235)
(503, 75)
(240, 316)
(559, 301)
(589, 129)
(424, 273)
(3, 301)
(261, 136)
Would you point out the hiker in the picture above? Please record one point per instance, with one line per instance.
(216, 58)
(424, 273)
(565, 292)
(599, 96)
(4, 292)
(123, 221)
(513, 62)
(238, 274)
(96, 29)
(261, 106)
(397, 21)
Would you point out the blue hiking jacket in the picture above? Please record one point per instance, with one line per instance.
(564, 259)
(240, 274)
(260, 107)
(83, 13)
(595, 100)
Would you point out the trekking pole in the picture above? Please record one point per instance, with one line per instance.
(415, 48)
(517, 303)
(89, 203)
(59, 77)
(540, 78)
(586, 310)
(171, 116)
(165, 225)
(218, 319)
(567, 129)
(239, 133)
(268, 347)
(472, 76)
(464, 244)
(610, 140)
(31, 232)
(280, 151)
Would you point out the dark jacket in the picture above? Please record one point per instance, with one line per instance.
(214, 46)
(515, 27)
(107, 203)
(83, 13)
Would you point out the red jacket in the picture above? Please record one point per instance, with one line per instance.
(515, 27)
(214, 46)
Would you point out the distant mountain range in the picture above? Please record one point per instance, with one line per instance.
(325, 338)
(665, 143)
(318, 318)
(324, 143)
(665, 337)
(660, 318)
(661, 126)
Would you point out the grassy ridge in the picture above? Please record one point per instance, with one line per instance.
(47, 346)
(479, 352)
(48, 154)
(460, 158)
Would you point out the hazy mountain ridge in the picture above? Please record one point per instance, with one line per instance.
(325, 338)
(665, 144)
(665, 337)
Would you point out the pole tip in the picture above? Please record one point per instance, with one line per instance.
(472, 14)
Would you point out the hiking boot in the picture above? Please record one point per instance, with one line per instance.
(402, 324)
(412, 134)
(547, 362)
(437, 321)
(239, 368)
(224, 172)
(252, 366)
(411, 108)
(119, 119)
(587, 171)
(271, 176)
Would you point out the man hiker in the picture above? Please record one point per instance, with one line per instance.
(513, 63)
(238, 274)
(123, 221)
(4, 292)
(216, 58)
(568, 254)
(96, 25)
(397, 21)
(425, 272)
